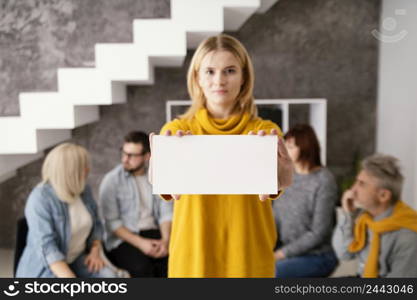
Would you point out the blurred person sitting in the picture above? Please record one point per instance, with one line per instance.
(376, 226)
(64, 237)
(137, 223)
(304, 214)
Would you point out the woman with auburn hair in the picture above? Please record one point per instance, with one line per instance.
(223, 235)
(304, 215)
(64, 238)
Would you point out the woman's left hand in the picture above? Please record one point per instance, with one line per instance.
(279, 255)
(93, 260)
(285, 164)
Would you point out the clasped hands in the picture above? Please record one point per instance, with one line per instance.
(153, 247)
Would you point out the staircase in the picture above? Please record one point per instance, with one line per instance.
(47, 118)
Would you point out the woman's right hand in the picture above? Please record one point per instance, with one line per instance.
(179, 133)
(285, 165)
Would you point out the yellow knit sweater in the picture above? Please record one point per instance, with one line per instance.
(221, 235)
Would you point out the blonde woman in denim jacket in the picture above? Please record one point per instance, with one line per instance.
(64, 237)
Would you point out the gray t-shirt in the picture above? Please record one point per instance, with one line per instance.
(304, 214)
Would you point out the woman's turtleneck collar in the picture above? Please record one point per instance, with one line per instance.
(235, 124)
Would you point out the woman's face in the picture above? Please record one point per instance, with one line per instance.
(220, 77)
(293, 149)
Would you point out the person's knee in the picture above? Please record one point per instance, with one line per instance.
(106, 272)
(140, 270)
(282, 268)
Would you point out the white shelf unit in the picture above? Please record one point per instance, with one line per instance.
(317, 115)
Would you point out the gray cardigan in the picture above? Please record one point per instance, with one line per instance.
(304, 214)
(398, 249)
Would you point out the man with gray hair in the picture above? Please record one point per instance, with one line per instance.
(376, 226)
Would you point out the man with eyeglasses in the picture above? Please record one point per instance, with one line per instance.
(137, 223)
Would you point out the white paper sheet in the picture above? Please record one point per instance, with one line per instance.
(214, 164)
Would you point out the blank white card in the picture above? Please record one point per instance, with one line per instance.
(214, 164)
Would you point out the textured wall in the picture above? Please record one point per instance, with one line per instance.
(39, 36)
(322, 49)
(300, 48)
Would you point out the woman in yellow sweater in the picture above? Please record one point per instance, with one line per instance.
(224, 235)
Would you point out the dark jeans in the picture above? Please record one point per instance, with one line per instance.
(80, 269)
(319, 265)
(138, 264)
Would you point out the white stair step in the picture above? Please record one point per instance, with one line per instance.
(162, 39)
(19, 136)
(51, 111)
(47, 117)
(201, 18)
(10, 163)
(50, 137)
(88, 86)
(127, 63)
(236, 13)
(266, 5)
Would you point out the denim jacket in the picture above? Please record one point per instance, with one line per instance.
(119, 205)
(50, 230)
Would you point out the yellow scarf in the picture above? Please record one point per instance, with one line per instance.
(234, 125)
(402, 216)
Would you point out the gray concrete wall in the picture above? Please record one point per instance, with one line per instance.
(300, 48)
(39, 36)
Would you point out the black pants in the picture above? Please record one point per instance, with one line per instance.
(137, 263)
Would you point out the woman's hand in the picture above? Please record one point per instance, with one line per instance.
(285, 164)
(93, 261)
(179, 133)
(279, 255)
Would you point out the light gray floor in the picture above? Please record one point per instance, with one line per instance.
(346, 268)
(6, 266)
(6, 263)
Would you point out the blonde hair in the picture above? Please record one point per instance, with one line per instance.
(224, 42)
(65, 169)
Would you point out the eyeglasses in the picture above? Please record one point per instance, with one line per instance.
(130, 155)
